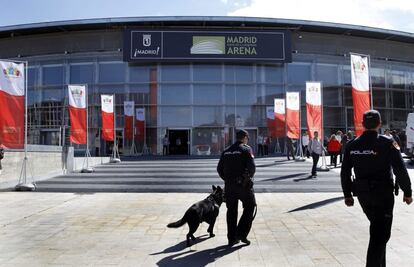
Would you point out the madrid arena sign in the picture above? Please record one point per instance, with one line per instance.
(221, 46)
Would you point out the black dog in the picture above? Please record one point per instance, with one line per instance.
(205, 210)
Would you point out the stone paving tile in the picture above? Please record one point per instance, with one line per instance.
(115, 229)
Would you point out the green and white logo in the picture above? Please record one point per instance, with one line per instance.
(208, 45)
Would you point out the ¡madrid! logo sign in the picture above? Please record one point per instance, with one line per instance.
(12, 72)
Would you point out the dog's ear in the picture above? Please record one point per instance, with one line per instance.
(214, 187)
(219, 187)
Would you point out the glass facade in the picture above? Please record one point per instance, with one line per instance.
(204, 102)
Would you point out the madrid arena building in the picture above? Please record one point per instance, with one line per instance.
(200, 78)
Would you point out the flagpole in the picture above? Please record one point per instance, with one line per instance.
(115, 155)
(370, 83)
(300, 151)
(23, 185)
(133, 150)
(87, 153)
(324, 166)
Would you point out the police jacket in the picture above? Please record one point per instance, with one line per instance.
(235, 161)
(372, 156)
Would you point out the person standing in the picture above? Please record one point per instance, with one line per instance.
(260, 145)
(305, 143)
(266, 143)
(315, 148)
(236, 167)
(1, 156)
(289, 147)
(334, 148)
(165, 144)
(374, 158)
(97, 145)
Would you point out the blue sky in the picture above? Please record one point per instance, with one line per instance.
(388, 14)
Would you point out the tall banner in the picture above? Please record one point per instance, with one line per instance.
(360, 89)
(12, 101)
(107, 103)
(280, 119)
(77, 113)
(314, 108)
(293, 115)
(129, 116)
(140, 124)
(270, 118)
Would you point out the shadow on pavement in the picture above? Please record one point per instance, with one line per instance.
(303, 179)
(283, 177)
(182, 245)
(317, 204)
(197, 259)
(277, 162)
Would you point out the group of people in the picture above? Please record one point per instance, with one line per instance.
(372, 157)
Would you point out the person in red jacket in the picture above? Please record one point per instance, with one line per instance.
(334, 148)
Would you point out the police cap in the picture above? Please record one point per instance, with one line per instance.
(371, 119)
(241, 134)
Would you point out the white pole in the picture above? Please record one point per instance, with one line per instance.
(115, 144)
(87, 153)
(23, 185)
(370, 83)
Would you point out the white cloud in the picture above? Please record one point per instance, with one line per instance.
(373, 13)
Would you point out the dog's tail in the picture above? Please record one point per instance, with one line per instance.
(178, 223)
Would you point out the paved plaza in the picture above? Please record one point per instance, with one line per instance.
(97, 228)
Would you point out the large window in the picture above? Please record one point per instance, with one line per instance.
(208, 116)
(299, 73)
(176, 116)
(208, 94)
(80, 74)
(176, 94)
(273, 74)
(207, 73)
(328, 74)
(173, 73)
(53, 75)
(238, 74)
(110, 72)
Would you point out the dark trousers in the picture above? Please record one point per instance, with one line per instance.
(233, 194)
(334, 158)
(260, 150)
(378, 207)
(266, 149)
(290, 152)
(305, 151)
(315, 159)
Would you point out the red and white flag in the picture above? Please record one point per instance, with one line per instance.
(129, 116)
(314, 108)
(360, 89)
(12, 93)
(140, 124)
(270, 118)
(107, 102)
(280, 117)
(77, 113)
(293, 115)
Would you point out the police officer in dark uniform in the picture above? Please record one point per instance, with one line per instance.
(373, 158)
(236, 167)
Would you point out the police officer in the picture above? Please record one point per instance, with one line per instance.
(236, 167)
(373, 156)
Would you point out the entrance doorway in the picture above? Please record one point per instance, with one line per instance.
(179, 141)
